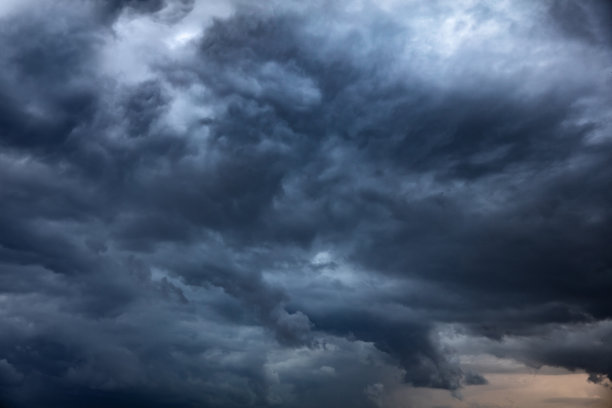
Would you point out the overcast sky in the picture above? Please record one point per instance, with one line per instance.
(305, 204)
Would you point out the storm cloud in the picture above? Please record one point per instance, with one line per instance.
(229, 204)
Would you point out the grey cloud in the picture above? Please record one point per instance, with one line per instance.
(8, 374)
(168, 11)
(584, 21)
(577, 346)
(295, 187)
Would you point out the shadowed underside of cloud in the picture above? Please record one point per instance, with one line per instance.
(220, 204)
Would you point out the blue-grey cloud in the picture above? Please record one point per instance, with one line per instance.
(224, 204)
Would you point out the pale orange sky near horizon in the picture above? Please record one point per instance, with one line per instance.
(512, 390)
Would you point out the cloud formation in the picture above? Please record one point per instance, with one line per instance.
(224, 204)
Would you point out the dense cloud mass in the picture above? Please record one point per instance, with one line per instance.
(298, 204)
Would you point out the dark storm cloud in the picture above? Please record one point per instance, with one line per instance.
(43, 117)
(572, 346)
(295, 201)
(586, 21)
(166, 10)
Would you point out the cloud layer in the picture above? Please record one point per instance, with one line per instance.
(224, 204)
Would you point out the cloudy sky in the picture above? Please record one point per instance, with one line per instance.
(300, 204)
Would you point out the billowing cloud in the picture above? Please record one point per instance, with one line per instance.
(226, 204)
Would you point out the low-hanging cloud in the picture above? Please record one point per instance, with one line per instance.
(224, 204)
